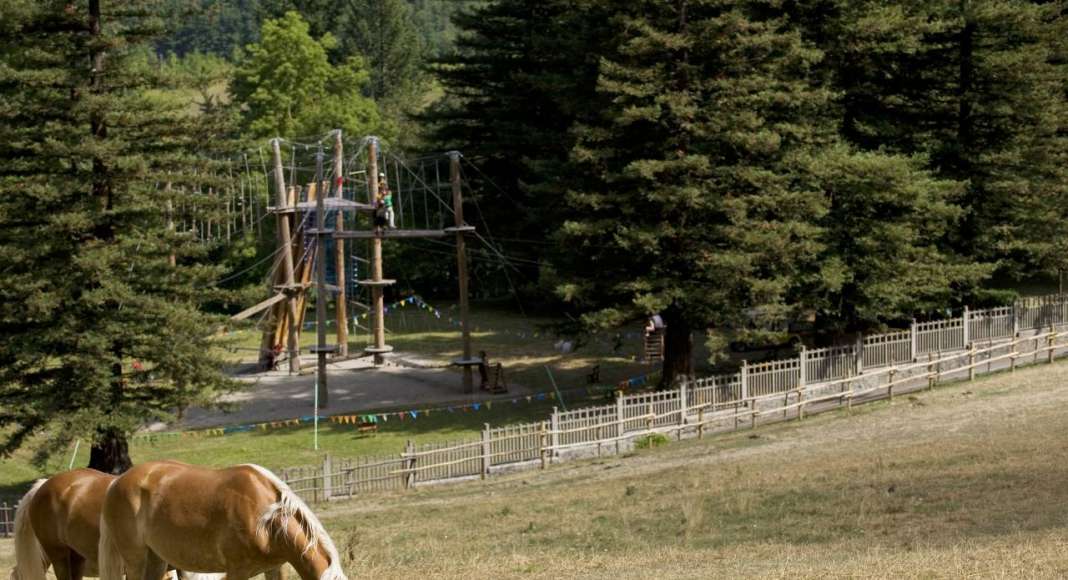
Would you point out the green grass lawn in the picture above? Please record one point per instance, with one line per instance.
(293, 446)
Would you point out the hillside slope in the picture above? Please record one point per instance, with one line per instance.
(968, 480)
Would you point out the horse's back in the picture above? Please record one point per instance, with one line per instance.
(187, 514)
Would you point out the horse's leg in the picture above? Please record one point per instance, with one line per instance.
(77, 566)
(154, 567)
(66, 563)
(278, 573)
(60, 558)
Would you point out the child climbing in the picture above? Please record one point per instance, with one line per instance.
(385, 197)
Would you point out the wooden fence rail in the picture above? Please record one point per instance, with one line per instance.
(836, 377)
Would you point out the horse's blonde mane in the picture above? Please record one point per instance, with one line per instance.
(289, 505)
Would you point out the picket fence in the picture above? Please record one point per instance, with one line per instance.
(872, 367)
(7, 520)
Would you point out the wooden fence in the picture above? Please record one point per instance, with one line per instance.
(7, 520)
(873, 368)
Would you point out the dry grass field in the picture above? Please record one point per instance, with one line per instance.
(970, 480)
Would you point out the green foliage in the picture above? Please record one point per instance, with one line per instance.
(977, 87)
(650, 441)
(90, 133)
(696, 199)
(288, 87)
(384, 33)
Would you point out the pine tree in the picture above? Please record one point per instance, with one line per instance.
(99, 333)
(695, 202)
(975, 86)
(522, 74)
(384, 34)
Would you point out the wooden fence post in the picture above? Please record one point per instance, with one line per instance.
(858, 355)
(683, 405)
(409, 465)
(967, 322)
(554, 433)
(1012, 357)
(543, 442)
(328, 479)
(1015, 321)
(913, 342)
(701, 423)
(971, 361)
(889, 386)
(487, 453)
(930, 371)
(802, 379)
(649, 418)
(1052, 342)
(745, 379)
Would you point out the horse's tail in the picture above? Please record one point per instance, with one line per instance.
(289, 505)
(30, 560)
(109, 559)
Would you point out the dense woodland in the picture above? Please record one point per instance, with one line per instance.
(736, 165)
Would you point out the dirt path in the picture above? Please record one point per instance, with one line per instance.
(356, 385)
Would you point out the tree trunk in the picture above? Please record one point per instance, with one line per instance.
(110, 452)
(678, 350)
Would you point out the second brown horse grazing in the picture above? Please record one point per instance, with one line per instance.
(58, 524)
(242, 521)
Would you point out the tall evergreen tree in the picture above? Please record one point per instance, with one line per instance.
(98, 331)
(977, 87)
(383, 32)
(695, 201)
(523, 73)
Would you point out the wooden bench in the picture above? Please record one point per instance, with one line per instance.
(367, 427)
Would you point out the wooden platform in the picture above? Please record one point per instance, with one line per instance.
(333, 203)
(387, 233)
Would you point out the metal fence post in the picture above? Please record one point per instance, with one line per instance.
(328, 471)
(620, 417)
(487, 453)
(802, 374)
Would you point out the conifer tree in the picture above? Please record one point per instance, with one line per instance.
(523, 72)
(695, 202)
(975, 86)
(99, 332)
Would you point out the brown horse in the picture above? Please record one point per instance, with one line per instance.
(241, 520)
(58, 523)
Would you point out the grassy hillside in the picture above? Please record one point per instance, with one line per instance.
(969, 480)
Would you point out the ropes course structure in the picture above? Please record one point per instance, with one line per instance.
(335, 202)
